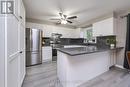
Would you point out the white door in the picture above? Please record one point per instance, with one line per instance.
(12, 49)
(12, 53)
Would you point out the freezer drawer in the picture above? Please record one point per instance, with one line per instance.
(33, 58)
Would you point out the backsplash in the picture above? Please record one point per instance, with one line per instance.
(106, 41)
(71, 41)
(102, 41)
(64, 41)
(46, 41)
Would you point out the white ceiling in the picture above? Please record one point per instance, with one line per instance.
(86, 10)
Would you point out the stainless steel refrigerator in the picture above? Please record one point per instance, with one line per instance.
(33, 46)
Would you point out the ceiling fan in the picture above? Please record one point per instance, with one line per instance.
(64, 19)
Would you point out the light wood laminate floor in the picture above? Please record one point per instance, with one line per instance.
(45, 76)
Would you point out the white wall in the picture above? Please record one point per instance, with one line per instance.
(48, 29)
(2, 57)
(121, 28)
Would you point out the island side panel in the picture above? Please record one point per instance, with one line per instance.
(62, 68)
(75, 70)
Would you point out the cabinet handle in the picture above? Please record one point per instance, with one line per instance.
(21, 52)
(20, 17)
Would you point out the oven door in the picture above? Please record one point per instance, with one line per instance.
(54, 54)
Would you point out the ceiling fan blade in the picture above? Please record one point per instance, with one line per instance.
(58, 23)
(73, 17)
(60, 14)
(54, 19)
(65, 16)
(69, 21)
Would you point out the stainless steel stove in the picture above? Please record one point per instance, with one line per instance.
(55, 43)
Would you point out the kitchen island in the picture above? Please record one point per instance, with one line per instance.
(76, 66)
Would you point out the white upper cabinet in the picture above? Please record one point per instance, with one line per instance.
(49, 29)
(104, 27)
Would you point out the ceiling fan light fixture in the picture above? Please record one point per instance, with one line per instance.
(63, 22)
(64, 19)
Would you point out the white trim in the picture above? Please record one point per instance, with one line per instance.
(21, 82)
(47, 60)
(6, 63)
(13, 56)
(119, 66)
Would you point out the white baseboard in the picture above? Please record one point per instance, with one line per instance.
(119, 66)
(48, 60)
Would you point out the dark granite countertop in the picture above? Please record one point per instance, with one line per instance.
(85, 50)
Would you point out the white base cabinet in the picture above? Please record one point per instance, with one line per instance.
(112, 58)
(73, 71)
(46, 53)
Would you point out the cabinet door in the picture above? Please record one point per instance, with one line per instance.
(22, 52)
(112, 57)
(46, 53)
(11, 39)
(97, 29)
(104, 27)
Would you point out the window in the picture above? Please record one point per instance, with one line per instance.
(87, 33)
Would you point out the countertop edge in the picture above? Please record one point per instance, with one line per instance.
(117, 48)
